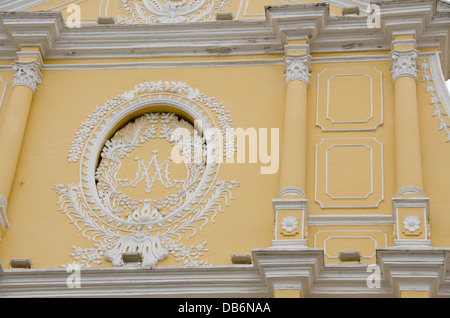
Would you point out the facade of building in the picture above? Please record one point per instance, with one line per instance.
(224, 148)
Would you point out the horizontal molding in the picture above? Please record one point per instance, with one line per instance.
(350, 219)
(327, 33)
(19, 5)
(215, 63)
(272, 268)
(68, 66)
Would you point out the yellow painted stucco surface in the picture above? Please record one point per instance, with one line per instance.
(350, 163)
(65, 99)
(255, 97)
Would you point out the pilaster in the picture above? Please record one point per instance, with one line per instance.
(291, 205)
(411, 205)
(26, 79)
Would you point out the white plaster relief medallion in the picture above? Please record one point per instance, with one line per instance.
(411, 223)
(170, 11)
(132, 196)
(289, 223)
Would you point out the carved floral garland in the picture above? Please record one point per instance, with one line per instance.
(439, 111)
(118, 223)
(170, 11)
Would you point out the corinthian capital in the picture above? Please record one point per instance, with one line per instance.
(27, 74)
(404, 63)
(298, 67)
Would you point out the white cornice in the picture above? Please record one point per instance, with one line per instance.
(227, 38)
(19, 5)
(273, 268)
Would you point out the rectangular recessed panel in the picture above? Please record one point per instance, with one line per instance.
(349, 173)
(349, 99)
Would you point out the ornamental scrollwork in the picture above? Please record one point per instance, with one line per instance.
(435, 101)
(170, 11)
(133, 196)
(404, 63)
(298, 67)
(27, 74)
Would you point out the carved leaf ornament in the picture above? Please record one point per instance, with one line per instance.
(170, 11)
(132, 195)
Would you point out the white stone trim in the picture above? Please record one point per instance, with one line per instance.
(351, 231)
(437, 89)
(351, 238)
(348, 59)
(236, 37)
(300, 204)
(412, 202)
(19, 5)
(401, 268)
(350, 219)
(3, 219)
(371, 171)
(410, 189)
(218, 63)
(291, 191)
(4, 91)
(349, 121)
(325, 206)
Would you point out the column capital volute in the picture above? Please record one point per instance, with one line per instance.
(28, 73)
(298, 67)
(404, 63)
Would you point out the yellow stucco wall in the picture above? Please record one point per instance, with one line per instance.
(66, 98)
(363, 156)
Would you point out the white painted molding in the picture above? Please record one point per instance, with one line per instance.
(410, 189)
(373, 176)
(436, 87)
(300, 204)
(4, 91)
(289, 244)
(19, 5)
(263, 36)
(68, 66)
(373, 110)
(401, 268)
(350, 219)
(291, 191)
(351, 237)
(3, 219)
(411, 202)
(289, 204)
(157, 12)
